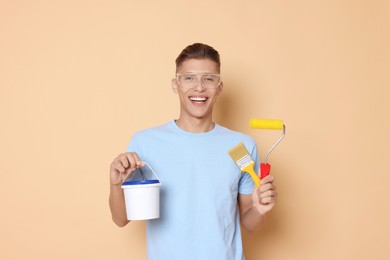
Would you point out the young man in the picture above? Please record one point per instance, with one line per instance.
(204, 196)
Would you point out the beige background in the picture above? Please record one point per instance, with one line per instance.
(78, 78)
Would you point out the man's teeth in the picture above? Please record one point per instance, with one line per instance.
(198, 99)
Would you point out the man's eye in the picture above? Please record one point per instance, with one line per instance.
(210, 79)
(188, 78)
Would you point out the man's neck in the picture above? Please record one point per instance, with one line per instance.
(195, 125)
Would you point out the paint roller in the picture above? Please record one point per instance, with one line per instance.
(270, 124)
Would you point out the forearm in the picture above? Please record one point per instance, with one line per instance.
(117, 206)
(252, 220)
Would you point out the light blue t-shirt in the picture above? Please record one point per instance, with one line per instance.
(200, 183)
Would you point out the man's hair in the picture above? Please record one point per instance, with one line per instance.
(198, 51)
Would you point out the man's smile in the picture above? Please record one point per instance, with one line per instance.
(198, 99)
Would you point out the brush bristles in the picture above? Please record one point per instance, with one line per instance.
(240, 155)
(244, 162)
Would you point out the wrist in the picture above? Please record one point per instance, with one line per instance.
(115, 186)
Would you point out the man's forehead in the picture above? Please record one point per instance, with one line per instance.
(198, 66)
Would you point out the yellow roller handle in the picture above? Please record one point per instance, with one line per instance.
(273, 124)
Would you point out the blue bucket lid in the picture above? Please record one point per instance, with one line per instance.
(140, 182)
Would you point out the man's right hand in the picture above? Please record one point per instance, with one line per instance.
(122, 165)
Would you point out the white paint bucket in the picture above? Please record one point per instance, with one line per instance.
(142, 196)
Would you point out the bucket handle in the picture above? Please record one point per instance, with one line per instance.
(158, 178)
(127, 176)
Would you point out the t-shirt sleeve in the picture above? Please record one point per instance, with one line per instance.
(245, 185)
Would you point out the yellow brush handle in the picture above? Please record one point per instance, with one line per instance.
(273, 124)
(250, 170)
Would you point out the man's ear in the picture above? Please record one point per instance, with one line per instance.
(220, 88)
(174, 85)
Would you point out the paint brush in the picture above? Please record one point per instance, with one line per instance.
(241, 157)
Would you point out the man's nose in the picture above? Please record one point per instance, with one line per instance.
(199, 85)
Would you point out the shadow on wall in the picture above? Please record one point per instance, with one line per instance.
(229, 112)
(279, 223)
(223, 109)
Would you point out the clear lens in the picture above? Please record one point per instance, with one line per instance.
(192, 80)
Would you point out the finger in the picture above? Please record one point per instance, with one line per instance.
(135, 161)
(138, 160)
(113, 171)
(268, 193)
(268, 200)
(131, 160)
(119, 167)
(267, 179)
(115, 177)
(123, 159)
(114, 166)
(265, 187)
